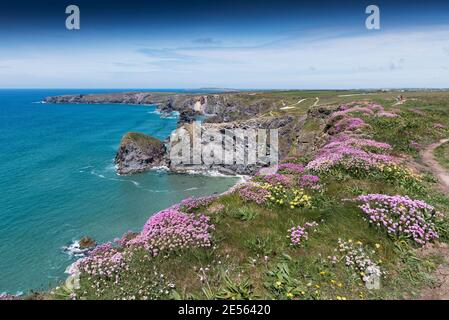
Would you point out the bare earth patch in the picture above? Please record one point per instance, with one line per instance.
(429, 160)
(439, 291)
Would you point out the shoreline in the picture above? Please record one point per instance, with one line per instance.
(73, 249)
(71, 270)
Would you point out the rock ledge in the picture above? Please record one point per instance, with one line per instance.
(139, 152)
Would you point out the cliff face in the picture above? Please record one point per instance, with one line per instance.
(298, 135)
(224, 107)
(138, 153)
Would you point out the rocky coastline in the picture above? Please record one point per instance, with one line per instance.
(226, 111)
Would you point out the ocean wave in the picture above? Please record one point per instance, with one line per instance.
(213, 173)
(135, 183)
(74, 250)
(159, 191)
(160, 169)
(71, 269)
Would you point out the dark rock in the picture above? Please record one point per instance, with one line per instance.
(187, 116)
(138, 153)
(87, 243)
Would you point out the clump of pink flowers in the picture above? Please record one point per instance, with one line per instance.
(350, 124)
(309, 181)
(341, 120)
(291, 168)
(171, 230)
(401, 216)
(104, 261)
(190, 204)
(277, 178)
(351, 153)
(299, 234)
(254, 193)
(343, 113)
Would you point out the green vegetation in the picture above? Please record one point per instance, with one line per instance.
(252, 253)
(442, 155)
(140, 139)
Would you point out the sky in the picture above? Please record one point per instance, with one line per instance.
(244, 44)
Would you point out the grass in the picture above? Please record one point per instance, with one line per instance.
(252, 254)
(252, 257)
(442, 155)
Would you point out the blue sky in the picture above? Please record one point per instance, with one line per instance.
(235, 44)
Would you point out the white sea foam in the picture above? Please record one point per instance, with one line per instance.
(74, 249)
(71, 269)
(158, 191)
(160, 168)
(212, 173)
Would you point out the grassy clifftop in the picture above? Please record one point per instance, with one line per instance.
(347, 221)
(143, 141)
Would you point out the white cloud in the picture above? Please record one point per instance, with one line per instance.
(407, 58)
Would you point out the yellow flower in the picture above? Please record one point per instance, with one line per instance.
(322, 273)
(377, 246)
(289, 295)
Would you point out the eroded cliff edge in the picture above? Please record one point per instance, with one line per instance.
(298, 133)
(139, 152)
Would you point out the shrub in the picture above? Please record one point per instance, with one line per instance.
(299, 233)
(171, 229)
(291, 168)
(254, 193)
(352, 154)
(401, 216)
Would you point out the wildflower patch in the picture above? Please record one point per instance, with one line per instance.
(401, 217)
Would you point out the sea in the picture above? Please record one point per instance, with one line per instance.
(58, 182)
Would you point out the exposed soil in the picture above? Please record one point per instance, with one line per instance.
(429, 160)
(439, 291)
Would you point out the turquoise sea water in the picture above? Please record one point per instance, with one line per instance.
(58, 183)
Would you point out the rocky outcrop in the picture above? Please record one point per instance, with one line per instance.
(188, 116)
(87, 243)
(223, 107)
(138, 153)
(299, 134)
(287, 133)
